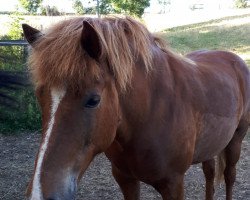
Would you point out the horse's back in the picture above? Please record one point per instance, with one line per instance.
(226, 82)
(227, 61)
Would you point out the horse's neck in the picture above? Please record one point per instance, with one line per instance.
(146, 94)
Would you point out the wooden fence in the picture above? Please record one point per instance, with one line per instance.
(13, 54)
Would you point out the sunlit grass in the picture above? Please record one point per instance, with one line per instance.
(232, 34)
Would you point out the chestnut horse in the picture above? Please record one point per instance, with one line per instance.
(108, 85)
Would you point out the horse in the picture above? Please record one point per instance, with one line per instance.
(109, 85)
(10, 81)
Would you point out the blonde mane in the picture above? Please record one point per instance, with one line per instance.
(58, 57)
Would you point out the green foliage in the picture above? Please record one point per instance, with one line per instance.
(31, 6)
(90, 10)
(15, 30)
(50, 11)
(12, 57)
(105, 7)
(26, 115)
(241, 3)
(131, 7)
(78, 7)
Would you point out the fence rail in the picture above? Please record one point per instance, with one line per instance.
(13, 55)
(13, 43)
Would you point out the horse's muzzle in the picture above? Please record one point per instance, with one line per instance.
(68, 194)
(59, 198)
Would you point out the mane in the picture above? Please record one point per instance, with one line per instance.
(58, 58)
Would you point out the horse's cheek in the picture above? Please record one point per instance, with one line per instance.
(105, 130)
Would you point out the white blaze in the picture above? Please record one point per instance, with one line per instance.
(56, 96)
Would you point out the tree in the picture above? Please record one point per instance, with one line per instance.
(165, 4)
(105, 7)
(31, 6)
(241, 3)
(78, 7)
(50, 11)
(131, 7)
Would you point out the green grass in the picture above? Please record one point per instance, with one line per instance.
(231, 33)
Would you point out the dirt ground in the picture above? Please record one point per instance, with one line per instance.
(17, 154)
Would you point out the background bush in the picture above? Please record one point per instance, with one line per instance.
(241, 3)
(25, 114)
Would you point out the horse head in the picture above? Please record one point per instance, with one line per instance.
(79, 117)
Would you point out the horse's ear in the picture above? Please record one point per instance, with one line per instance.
(31, 34)
(90, 41)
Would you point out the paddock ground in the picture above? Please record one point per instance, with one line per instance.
(17, 155)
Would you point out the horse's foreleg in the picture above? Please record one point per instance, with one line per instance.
(232, 154)
(209, 172)
(130, 186)
(171, 189)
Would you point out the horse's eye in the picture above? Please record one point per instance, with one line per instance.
(93, 101)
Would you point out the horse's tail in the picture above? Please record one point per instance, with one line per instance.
(220, 167)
